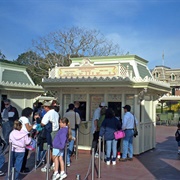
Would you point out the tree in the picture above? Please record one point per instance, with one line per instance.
(2, 56)
(37, 66)
(77, 42)
(57, 48)
(34, 65)
(27, 58)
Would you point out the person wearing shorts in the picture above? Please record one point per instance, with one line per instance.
(59, 144)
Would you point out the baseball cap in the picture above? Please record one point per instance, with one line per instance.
(128, 107)
(103, 104)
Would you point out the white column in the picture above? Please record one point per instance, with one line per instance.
(87, 107)
(136, 141)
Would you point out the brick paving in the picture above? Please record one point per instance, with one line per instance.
(161, 163)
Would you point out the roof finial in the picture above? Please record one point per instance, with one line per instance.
(163, 58)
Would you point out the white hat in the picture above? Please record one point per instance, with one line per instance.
(47, 103)
(103, 104)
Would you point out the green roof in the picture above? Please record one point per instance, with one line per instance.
(15, 77)
(143, 72)
(130, 67)
(112, 58)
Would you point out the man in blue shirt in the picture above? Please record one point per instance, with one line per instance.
(128, 127)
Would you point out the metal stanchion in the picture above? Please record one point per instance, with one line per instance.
(103, 149)
(78, 177)
(13, 173)
(65, 158)
(36, 154)
(9, 160)
(99, 159)
(48, 163)
(92, 172)
(77, 142)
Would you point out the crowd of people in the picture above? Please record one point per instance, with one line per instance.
(104, 124)
(43, 123)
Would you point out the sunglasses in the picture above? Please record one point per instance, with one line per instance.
(6, 104)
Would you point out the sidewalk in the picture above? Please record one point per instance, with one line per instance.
(161, 163)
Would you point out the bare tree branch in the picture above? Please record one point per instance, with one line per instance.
(54, 48)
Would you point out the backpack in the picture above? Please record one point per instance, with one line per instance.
(177, 135)
(99, 122)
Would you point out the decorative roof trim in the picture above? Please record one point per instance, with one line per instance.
(19, 84)
(106, 79)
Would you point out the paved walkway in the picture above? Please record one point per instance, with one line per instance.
(161, 163)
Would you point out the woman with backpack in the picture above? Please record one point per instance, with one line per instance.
(177, 136)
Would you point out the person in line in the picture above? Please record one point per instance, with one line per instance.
(94, 127)
(177, 136)
(59, 143)
(50, 121)
(56, 107)
(2, 157)
(108, 127)
(9, 115)
(19, 139)
(128, 127)
(119, 140)
(38, 128)
(74, 119)
(99, 123)
(119, 148)
(25, 119)
(76, 108)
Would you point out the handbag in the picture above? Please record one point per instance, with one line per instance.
(119, 134)
(135, 129)
(135, 132)
(32, 145)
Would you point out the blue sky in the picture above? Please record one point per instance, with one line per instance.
(146, 28)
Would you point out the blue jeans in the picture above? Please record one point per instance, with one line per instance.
(111, 145)
(128, 144)
(70, 148)
(2, 160)
(6, 129)
(40, 154)
(16, 161)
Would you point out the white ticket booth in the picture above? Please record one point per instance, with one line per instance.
(117, 80)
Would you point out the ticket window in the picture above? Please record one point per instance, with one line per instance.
(82, 110)
(116, 107)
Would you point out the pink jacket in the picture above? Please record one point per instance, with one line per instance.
(19, 140)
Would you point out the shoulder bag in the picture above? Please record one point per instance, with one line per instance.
(135, 128)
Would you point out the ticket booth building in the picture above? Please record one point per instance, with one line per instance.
(117, 81)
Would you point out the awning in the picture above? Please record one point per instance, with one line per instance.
(169, 98)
